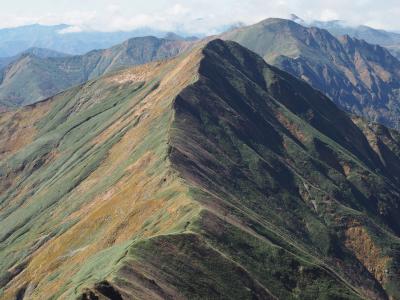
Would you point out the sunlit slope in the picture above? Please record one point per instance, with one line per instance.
(212, 175)
(34, 77)
(88, 171)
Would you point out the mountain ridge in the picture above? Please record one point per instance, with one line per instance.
(40, 52)
(360, 77)
(387, 39)
(226, 177)
(60, 73)
(59, 38)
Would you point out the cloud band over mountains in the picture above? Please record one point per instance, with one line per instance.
(194, 16)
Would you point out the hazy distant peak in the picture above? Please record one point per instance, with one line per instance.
(43, 52)
(280, 21)
(172, 36)
(296, 18)
(70, 29)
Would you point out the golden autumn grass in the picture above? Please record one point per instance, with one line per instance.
(208, 174)
(142, 195)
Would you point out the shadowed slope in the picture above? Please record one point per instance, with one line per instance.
(212, 175)
(361, 78)
(271, 154)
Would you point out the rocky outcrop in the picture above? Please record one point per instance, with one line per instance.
(361, 78)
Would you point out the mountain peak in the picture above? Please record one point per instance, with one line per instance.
(296, 18)
(217, 163)
(330, 64)
(276, 20)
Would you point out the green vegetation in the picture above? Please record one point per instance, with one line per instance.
(32, 78)
(213, 176)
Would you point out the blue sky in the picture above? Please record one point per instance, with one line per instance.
(201, 16)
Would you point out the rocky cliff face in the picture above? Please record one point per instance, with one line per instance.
(388, 39)
(211, 175)
(361, 78)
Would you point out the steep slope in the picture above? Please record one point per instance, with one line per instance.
(211, 175)
(388, 39)
(60, 150)
(32, 78)
(362, 78)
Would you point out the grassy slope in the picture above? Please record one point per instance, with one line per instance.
(211, 175)
(94, 176)
(32, 78)
(270, 170)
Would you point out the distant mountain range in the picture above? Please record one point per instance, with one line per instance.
(37, 74)
(38, 52)
(369, 34)
(212, 175)
(362, 78)
(388, 39)
(60, 38)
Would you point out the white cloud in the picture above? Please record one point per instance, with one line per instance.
(327, 15)
(199, 16)
(71, 29)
